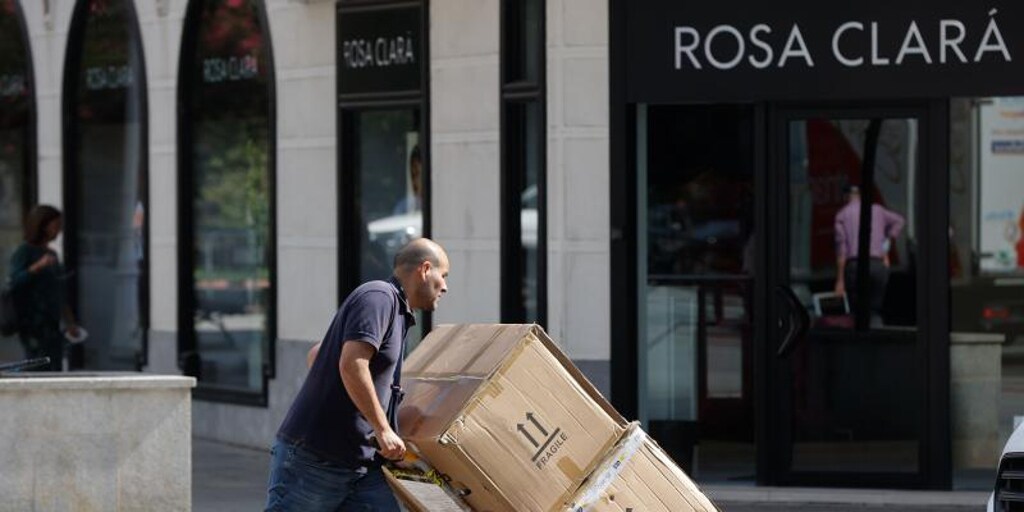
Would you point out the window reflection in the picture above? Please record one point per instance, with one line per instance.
(826, 192)
(15, 153)
(986, 267)
(389, 172)
(853, 388)
(524, 143)
(523, 38)
(390, 186)
(228, 97)
(696, 172)
(108, 177)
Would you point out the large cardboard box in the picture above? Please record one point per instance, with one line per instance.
(637, 475)
(505, 415)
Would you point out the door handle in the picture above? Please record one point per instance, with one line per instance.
(794, 323)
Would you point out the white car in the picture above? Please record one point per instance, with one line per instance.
(1008, 493)
(392, 232)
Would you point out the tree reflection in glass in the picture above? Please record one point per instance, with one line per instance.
(228, 97)
(15, 109)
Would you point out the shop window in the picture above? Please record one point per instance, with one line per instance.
(105, 184)
(16, 128)
(523, 212)
(695, 182)
(986, 272)
(389, 168)
(384, 170)
(227, 240)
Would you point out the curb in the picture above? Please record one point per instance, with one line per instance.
(875, 497)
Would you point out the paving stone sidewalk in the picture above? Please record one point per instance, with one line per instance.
(228, 478)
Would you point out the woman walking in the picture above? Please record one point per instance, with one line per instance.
(36, 278)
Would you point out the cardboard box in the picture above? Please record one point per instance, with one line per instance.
(637, 475)
(505, 415)
(416, 496)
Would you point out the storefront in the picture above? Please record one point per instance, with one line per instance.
(737, 137)
(383, 139)
(670, 230)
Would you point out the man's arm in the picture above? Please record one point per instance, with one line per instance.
(840, 286)
(894, 223)
(840, 232)
(354, 366)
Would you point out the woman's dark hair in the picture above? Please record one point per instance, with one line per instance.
(38, 218)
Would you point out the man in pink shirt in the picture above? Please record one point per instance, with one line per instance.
(885, 225)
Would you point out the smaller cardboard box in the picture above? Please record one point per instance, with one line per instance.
(637, 475)
(505, 416)
(414, 496)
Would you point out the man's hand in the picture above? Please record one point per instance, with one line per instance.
(840, 288)
(390, 445)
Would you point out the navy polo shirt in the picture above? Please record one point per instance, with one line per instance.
(323, 419)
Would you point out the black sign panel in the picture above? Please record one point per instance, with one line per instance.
(723, 50)
(379, 49)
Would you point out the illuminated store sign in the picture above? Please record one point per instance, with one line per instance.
(762, 44)
(804, 50)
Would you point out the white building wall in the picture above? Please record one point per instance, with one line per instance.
(579, 293)
(303, 45)
(465, 158)
(48, 34)
(465, 169)
(161, 44)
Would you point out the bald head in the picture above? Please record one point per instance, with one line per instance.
(421, 267)
(414, 253)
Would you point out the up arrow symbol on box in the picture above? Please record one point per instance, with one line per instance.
(533, 419)
(522, 429)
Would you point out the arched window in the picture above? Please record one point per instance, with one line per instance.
(17, 146)
(226, 240)
(105, 176)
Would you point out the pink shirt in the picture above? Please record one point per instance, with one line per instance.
(884, 224)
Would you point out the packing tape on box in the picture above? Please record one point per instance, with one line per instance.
(608, 471)
(569, 468)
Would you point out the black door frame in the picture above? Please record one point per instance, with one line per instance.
(932, 288)
(348, 106)
(936, 453)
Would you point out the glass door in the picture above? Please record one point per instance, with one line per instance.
(851, 199)
(696, 277)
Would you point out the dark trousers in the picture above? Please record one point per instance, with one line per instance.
(44, 341)
(878, 277)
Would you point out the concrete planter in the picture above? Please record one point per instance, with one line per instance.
(95, 442)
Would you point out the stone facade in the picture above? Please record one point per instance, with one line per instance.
(465, 148)
(96, 443)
